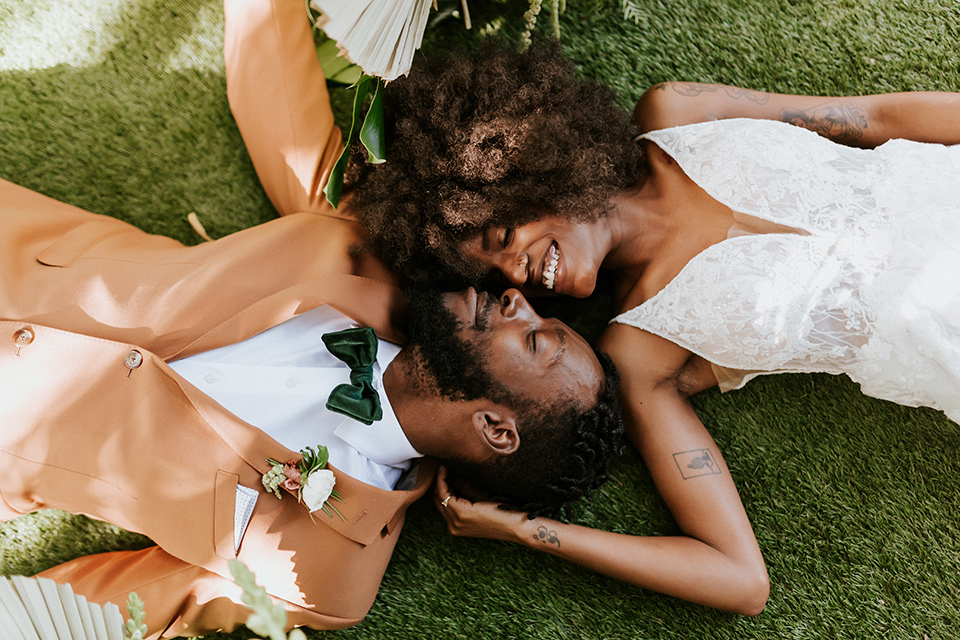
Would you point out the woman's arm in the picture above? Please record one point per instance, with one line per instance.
(860, 121)
(717, 561)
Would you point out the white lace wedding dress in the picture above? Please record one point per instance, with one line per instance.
(865, 282)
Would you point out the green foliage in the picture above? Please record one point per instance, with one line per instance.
(371, 134)
(336, 68)
(633, 10)
(313, 459)
(529, 23)
(135, 629)
(267, 619)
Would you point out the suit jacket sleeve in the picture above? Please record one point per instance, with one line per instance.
(180, 598)
(279, 99)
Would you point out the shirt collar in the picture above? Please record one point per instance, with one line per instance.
(383, 442)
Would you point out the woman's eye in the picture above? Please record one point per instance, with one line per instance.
(507, 237)
(533, 341)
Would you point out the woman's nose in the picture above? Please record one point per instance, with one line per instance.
(515, 305)
(516, 268)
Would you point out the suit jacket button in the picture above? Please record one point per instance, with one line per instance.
(133, 359)
(23, 337)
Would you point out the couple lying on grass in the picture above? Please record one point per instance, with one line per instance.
(745, 233)
(739, 245)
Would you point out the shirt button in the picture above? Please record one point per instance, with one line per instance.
(23, 337)
(133, 359)
(212, 378)
(292, 383)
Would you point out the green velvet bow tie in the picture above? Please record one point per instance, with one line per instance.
(358, 349)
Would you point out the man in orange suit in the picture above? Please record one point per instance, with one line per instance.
(147, 384)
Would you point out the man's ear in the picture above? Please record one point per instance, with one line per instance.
(497, 428)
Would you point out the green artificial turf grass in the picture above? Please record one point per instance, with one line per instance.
(119, 106)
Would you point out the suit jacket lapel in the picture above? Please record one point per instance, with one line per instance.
(371, 303)
(367, 510)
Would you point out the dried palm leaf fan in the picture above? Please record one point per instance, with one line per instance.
(380, 36)
(41, 609)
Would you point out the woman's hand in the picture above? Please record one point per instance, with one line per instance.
(476, 519)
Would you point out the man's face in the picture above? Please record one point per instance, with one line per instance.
(474, 344)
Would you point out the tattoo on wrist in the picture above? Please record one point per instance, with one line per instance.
(841, 122)
(696, 463)
(693, 89)
(546, 536)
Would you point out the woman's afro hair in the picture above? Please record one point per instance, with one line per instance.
(496, 139)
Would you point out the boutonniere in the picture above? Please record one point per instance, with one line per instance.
(308, 479)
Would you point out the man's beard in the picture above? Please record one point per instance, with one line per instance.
(455, 368)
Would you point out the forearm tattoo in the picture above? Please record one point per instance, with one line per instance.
(546, 536)
(693, 89)
(695, 463)
(841, 122)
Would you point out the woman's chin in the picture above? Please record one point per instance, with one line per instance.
(580, 292)
(538, 292)
(582, 287)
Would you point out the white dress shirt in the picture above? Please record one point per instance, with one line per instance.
(279, 380)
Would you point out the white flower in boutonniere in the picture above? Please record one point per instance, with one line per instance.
(317, 488)
(307, 477)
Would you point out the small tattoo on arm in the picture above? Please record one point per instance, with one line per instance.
(696, 463)
(546, 536)
(839, 121)
(693, 89)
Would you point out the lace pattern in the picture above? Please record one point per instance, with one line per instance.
(876, 246)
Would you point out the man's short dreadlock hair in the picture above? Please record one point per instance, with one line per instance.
(499, 138)
(564, 452)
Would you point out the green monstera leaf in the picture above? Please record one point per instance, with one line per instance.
(371, 133)
(337, 68)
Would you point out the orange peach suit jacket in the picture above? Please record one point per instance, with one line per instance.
(140, 447)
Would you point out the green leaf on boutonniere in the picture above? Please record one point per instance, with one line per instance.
(313, 460)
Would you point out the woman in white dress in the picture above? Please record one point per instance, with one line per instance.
(747, 246)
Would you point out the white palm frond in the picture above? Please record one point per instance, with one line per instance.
(379, 35)
(40, 609)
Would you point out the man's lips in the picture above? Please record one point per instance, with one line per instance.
(485, 304)
(471, 302)
(480, 302)
(476, 307)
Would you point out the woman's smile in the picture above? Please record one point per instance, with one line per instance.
(551, 266)
(546, 256)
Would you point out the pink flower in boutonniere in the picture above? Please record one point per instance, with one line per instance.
(308, 478)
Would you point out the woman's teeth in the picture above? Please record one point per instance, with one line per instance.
(550, 266)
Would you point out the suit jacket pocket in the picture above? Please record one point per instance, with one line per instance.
(29, 485)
